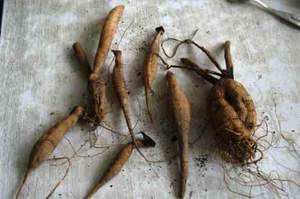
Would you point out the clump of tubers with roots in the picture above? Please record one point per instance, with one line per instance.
(231, 108)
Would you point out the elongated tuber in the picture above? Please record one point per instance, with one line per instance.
(182, 115)
(81, 56)
(48, 142)
(150, 69)
(108, 31)
(122, 92)
(121, 89)
(118, 163)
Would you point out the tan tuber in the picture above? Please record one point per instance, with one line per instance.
(150, 69)
(182, 116)
(44, 147)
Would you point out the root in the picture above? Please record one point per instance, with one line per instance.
(203, 130)
(118, 44)
(239, 193)
(292, 147)
(277, 140)
(103, 125)
(105, 149)
(174, 49)
(237, 148)
(177, 46)
(164, 62)
(93, 155)
(189, 41)
(111, 130)
(92, 138)
(125, 31)
(254, 178)
(263, 140)
(65, 175)
(22, 183)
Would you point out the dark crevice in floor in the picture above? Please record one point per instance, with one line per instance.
(1, 11)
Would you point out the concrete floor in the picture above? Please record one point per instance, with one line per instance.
(42, 81)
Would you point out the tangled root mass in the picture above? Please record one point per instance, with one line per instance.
(234, 118)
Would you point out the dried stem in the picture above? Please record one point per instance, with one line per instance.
(28, 171)
(194, 67)
(189, 41)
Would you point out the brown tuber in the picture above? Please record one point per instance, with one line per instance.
(150, 69)
(121, 90)
(122, 93)
(120, 160)
(44, 147)
(108, 31)
(81, 56)
(182, 115)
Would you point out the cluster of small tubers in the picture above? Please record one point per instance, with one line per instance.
(231, 107)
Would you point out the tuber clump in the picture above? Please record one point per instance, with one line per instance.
(231, 109)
